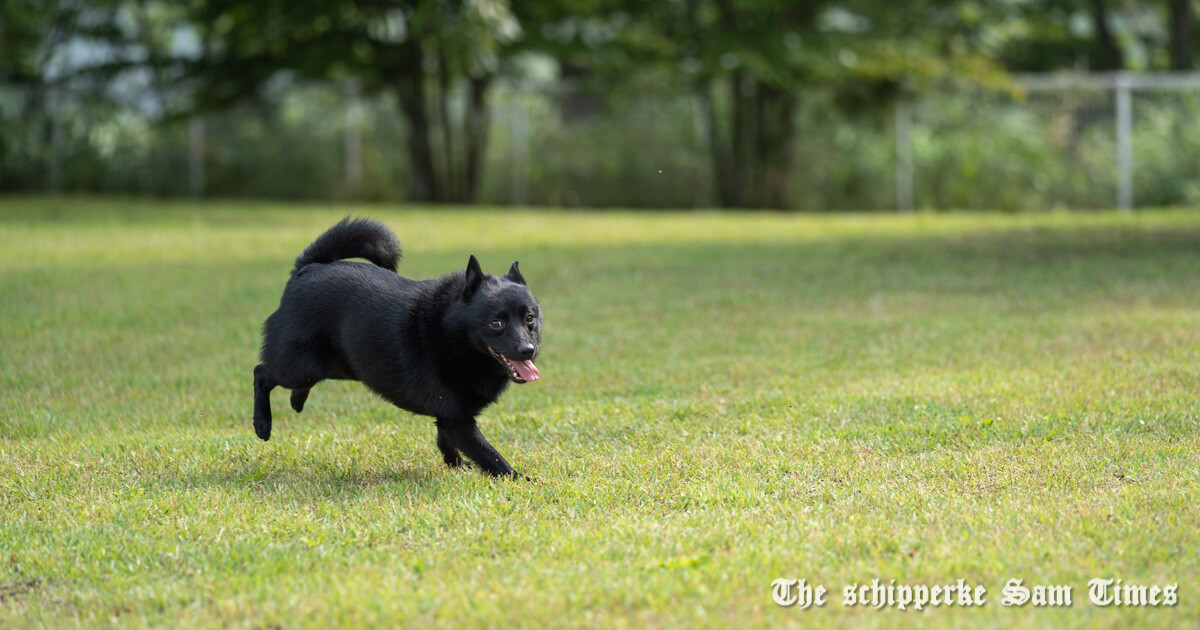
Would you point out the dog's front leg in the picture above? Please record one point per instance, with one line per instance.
(463, 435)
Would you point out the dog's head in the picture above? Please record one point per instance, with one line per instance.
(503, 320)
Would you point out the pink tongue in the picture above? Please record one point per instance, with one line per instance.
(527, 370)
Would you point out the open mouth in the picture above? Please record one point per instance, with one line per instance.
(518, 371)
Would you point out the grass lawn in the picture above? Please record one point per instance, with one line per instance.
(726, 399)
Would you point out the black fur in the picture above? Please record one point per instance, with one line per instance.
(423, 345)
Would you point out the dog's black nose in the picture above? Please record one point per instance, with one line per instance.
(526, 351)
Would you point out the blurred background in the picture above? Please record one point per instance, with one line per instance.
(813, 105)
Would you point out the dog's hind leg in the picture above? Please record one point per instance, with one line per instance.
(464, 435)
(263, 384)
(450, 454)
(298, 398)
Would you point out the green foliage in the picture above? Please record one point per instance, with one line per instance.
(763, 103)
(638, 150)
(971, 149)
(1168, 153)
(1051, 150)
(726, 399)
(23, 30)
(370, 41)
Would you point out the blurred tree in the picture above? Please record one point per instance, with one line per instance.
(750, 62)
(26, 30)
(32, 35)
(1097, 35)
(420, 50)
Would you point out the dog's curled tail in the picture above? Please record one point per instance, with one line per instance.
(353, 238)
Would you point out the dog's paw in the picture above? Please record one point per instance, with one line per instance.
(299, 396)
(511, 475)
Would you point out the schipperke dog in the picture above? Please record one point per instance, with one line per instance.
(446, 347)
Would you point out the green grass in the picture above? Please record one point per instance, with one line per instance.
(726, 399)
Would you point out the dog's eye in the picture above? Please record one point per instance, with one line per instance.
(530, 318)
(496, 324)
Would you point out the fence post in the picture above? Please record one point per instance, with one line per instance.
(196, 155)
(1124, 108)
(904, 165)
(354, 163)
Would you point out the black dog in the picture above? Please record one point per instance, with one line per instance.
(446, 347)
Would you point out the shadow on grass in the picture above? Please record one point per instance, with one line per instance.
(327, 477)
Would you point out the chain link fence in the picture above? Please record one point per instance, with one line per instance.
(1098, 141)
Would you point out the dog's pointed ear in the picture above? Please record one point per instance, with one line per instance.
(474, 277)
(514, 274)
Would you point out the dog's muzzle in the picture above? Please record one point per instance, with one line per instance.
(523, 371)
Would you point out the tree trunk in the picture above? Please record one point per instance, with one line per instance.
(449, 184)
(1109, 56)
(423, 184)
(732, 179)
(476, 135)
(752, 169)
(1181, 34)
(718, 151)
(774, 136)
(738, 163)
(446, 172)
(755, 170)
(408, 77)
